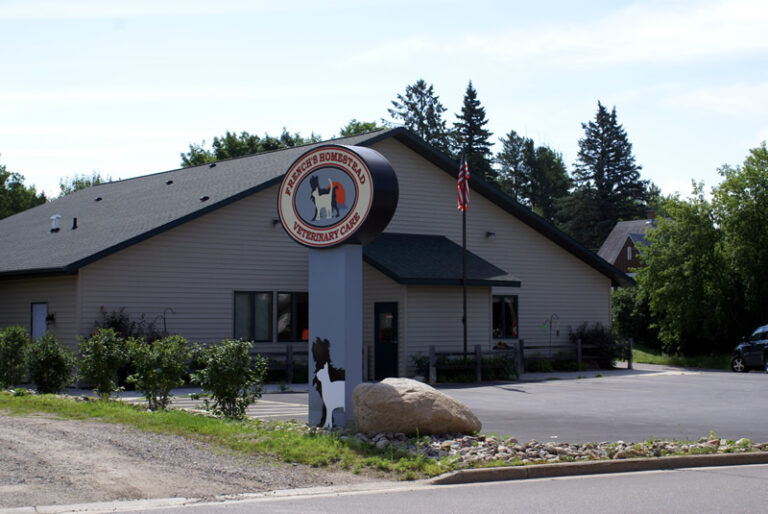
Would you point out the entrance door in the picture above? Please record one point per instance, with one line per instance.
(39, 326)
(385, 339)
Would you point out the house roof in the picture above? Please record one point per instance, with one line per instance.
(431, 260)
(634, 230)
(118, 214)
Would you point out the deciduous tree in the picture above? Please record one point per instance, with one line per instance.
(69, 185)
(355, 127)
(14, 195)
(232, 145)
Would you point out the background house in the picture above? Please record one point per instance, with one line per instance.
(621, 246)
(200, 251)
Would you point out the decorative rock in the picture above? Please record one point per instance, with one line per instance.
(404, 405)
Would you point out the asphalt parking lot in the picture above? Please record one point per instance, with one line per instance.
(591, 406)
(624, 405)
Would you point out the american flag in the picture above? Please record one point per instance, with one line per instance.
(463, 186)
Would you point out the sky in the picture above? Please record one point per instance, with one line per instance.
(123, 88)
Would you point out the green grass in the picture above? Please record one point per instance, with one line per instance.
(273, 440)
(646, 355)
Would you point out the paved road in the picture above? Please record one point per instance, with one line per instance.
(701, 490)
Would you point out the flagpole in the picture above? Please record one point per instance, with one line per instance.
(464, 272)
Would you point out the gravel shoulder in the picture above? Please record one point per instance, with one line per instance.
(49, 461)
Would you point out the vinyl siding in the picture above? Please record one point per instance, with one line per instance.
(434, 318)
(195, 269)
(60, 293)
(553, 281)
(379, 288)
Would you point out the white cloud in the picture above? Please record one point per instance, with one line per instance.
(97, 9)
(649, 32)
(729, 99)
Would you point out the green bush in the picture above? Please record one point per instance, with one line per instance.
(13, 341)
(599, 342)
(160, 366)
(538, 365)
(101, 355)
(232, 379)
(51, 367)
(460, 369)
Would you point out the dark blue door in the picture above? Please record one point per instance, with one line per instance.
(385, 339)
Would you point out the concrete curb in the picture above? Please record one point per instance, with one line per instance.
(468, 476)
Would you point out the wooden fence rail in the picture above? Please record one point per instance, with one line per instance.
(477, 366)
(285, 361)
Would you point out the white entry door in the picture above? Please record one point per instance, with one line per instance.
(39, 313)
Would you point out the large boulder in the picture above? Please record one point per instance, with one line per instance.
(407, 406)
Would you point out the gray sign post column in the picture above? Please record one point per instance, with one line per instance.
(336, 316)
(334, 199)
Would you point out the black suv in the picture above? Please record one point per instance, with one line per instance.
(752, 353)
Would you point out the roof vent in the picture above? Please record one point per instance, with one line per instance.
(205, 198)
(168, 182)
(55, 222)
(212, 165)
(97, 199)
(74, 223)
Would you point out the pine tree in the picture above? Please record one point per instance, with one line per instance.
(422, 113)
(607, 181)
(534, 176)
(472, 139)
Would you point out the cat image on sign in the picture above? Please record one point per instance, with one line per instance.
(328, 381)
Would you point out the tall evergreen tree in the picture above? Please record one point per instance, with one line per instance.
(534, 176)
(472, 138)
(607, 181)
(421, 112)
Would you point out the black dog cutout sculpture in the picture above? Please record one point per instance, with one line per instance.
(327, 380)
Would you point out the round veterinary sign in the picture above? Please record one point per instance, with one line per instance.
(336, 194)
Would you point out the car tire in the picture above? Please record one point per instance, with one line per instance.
(737, 365)
(765, 362)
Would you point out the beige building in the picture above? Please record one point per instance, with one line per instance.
(201, 251)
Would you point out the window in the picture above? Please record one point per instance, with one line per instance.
(292, 316)
(504, 316)
(629, 253)
(253, 316)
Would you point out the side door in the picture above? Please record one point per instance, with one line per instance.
(386, 348)
(39, 324)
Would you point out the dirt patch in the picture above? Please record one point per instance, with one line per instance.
(47, 461)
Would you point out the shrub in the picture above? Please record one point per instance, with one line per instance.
(456, 368)
(51, 367)
(231, 378)
(13, 341)
(598, 341)
(160, 366)
(101, 355)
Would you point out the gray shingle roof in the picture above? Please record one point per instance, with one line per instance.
(132, 210)
(135, 209)
(430, 260)
(613, 244)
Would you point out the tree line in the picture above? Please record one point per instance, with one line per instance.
(705, 283)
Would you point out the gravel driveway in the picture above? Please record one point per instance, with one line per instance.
(47, 461)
